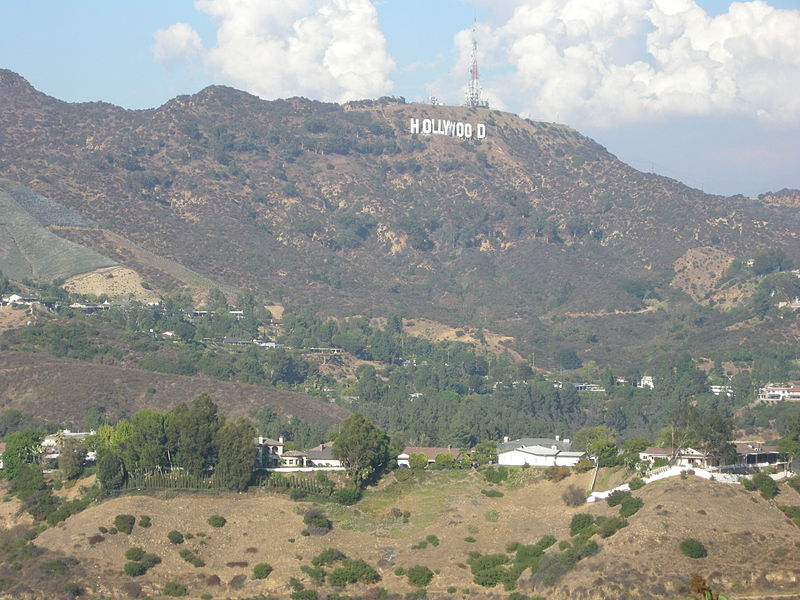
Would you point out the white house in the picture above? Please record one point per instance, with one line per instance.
(646, 382)
(538, 452)
(322, 456)
(269, 451)
(682, 457)
(430, 453)
(780, 392)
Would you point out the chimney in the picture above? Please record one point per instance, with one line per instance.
(449, 447)
(505, 439)
(280, 440)
(566, 440)
(558, 438)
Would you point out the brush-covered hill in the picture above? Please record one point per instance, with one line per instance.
(344, 209)
(440, 521)
(64, 390)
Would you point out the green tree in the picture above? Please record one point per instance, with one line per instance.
(148, 439)
(593, 439)
(71, 459)
(789, 444)
(237, 454)
(191, 430)
(417, 460)
(110, 470)
(22, 447)
(362, 448)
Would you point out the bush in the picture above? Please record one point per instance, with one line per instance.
(317, 522)
(150, 560)
(134, 569)
(144, 521)
(316, 574)
(584, 465)
(346, 496)
(432, 540)
(636, 483)
(573, 496)
(173, 588)
(493, 475)
(399, 571)
(608, 526)
(304, 595)
(492, 493)
(580, 523)
(419, 575)
(693, 548)
(134, 554)
(124, 523)
(630, 506)
(191, 558)
(402, 474)
(556, 474)
(328, 557)
(176, 537)
(469, 539)
(763, 483)
(261, 571)
(216, 521)
(353, 571)
(616, 498)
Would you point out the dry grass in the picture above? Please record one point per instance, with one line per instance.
(641, 560)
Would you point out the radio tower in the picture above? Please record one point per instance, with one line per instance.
(473, 96)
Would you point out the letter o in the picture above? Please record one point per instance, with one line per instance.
(427, 126)
(460, 130)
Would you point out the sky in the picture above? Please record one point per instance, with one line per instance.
(704, 91)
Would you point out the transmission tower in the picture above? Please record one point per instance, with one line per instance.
(473, 96)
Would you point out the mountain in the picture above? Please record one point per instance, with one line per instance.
(533, 231)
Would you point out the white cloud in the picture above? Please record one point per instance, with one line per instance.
(178, 41)
(325, 49)
(625, 60)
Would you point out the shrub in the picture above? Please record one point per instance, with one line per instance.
(432, 540)
(630, 506)
(492, 493)
(213, 580)
(191, 558)
(353, 571)
(72, 590)
(399, 571)
(317, 522)
(328, 557)
(584, 465)
(556, 473)
(316, 574)
(573, 496)
(346, 496)
(763, 483)
(608, 526)
(492, 516)
(124, 523)
(420, 545)
(493, 475)
(216, 521)
(793, 512)
(54, 567)
(469, 539)
(173, 588)
(304, 595)
(261, 571)
(144, 521)
(102, 529)
(402, 475)
(616, 498)
(176, 537)
(96, 539)
(134, 554)
(134, 569)
(636, 483)
(419, 575)
(580, 523)
(693, 548)
(150, 560)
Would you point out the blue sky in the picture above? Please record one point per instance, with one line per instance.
(722, 115)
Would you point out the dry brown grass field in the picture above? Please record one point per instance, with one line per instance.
(753, 549)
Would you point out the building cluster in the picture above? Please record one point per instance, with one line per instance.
(52, 445)
(772, 393)
(750, 456)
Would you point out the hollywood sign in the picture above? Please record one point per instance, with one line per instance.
(451, 128)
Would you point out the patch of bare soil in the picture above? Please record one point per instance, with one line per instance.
(439, 332)
(119, 283)
(12, 317)
(699, 271)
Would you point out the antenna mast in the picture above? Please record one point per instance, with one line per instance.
(473, 96)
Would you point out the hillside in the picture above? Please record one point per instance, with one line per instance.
(752, 547)
(63, 390)
(343, 209)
